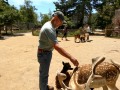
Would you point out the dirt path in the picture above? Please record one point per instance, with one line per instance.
(19, 66)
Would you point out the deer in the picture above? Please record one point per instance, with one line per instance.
(73, 84)
(105, 75)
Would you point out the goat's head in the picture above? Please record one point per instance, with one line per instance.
(66, 67)
(63, 75)
(73, 84)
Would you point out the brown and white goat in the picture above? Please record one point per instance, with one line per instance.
(73, 84)
(64, 72)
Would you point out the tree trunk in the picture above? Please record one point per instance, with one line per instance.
(11, 29)
(90, 15)
(5, 28)
(0, 32)
(28, 28)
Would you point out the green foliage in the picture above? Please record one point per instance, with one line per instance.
(106, 10)
(77, 32)
(27, 13)
(36, 32)
(44, 18)
(70, 24)
(70, 33)
(21, 31)
(75, 10)
(8, 14)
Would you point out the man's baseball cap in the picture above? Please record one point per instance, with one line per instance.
(60, 16)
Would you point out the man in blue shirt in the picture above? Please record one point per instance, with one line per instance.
(47, 42)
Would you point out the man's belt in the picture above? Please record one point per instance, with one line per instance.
(42, 50)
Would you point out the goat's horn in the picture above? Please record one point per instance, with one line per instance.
(96, 62)
(94, 65)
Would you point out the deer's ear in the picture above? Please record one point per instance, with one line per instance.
(63, 63)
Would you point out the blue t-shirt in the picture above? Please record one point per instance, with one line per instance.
(47, 37)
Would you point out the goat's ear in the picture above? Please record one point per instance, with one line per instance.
(63, 63)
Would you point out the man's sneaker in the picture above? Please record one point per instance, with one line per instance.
(50, 87)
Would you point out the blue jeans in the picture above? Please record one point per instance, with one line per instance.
(44, 59)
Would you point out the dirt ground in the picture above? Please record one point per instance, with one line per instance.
(19, 66)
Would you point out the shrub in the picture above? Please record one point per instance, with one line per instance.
(78, 31)
(35, 32)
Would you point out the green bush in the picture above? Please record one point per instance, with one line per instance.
(35, 32)
(78, 31)
(22, 31)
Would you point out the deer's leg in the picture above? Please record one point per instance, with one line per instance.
(105, 87)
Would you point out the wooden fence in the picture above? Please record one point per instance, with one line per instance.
(112, 32)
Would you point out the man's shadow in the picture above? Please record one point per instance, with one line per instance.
(2, 38)
(84, 41)
(89, 41)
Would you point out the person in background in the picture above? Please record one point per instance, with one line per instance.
(87, 32)
(47, 43)
(65, 32)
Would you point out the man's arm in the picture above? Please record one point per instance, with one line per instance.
(66, 54)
